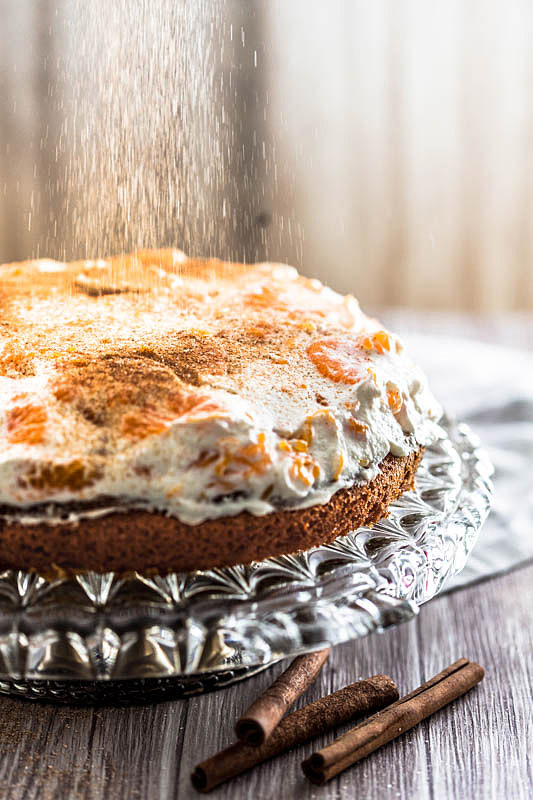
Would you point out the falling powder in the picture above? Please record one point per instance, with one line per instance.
(166, 138)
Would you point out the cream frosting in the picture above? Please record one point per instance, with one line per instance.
(194, 388)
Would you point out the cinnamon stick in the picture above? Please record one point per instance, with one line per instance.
(300, 726)
(390, 723)
(258, 722)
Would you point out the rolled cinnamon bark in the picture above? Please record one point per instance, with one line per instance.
(390, 723)
(311, 720)
(258, 722)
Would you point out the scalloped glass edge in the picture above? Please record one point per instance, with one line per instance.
(96, 627)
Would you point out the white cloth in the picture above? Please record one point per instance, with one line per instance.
(490, 388)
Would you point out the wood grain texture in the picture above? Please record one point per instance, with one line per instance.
(412, 119)
(478, 747)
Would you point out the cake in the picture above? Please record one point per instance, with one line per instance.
(163, 413)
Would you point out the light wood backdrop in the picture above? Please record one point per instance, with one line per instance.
(401, 133)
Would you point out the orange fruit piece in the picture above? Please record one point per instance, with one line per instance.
(379, 341)
(26, 424)
(140, 423)
(148, 421)
(304, 469)
(339, 360)
(358, 427)
(238, 462)
(340, 464)
(395, 400)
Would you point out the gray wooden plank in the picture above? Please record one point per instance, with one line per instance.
(482, 746)
(69, 752)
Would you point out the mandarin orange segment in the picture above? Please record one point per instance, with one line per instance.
(340, 361)
(338, 470)
(244, 461)
(379, 341)
(395, 400)
(358, 427)
(382, 340)
(140, 423)
(304, 469)
(26, 424)
(201, 409)
(299, 445)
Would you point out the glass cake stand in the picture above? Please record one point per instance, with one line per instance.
(112, 638)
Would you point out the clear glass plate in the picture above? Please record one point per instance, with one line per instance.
(109, 636)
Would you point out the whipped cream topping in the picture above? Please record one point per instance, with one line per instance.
(195, 388)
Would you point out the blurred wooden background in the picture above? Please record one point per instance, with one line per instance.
(401, 133)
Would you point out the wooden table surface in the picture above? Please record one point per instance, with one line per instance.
(478, 747)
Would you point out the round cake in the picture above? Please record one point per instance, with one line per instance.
(162, 413)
